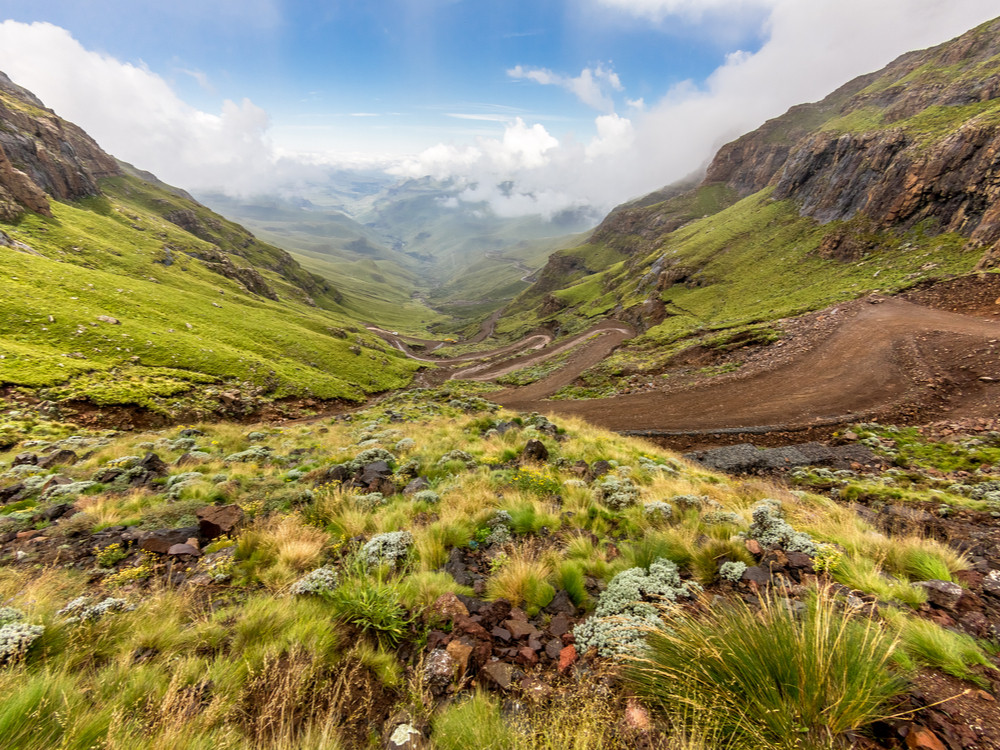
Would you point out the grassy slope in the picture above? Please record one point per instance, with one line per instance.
(258, 648)
(105, 257)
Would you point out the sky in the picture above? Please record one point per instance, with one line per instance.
(535, 106)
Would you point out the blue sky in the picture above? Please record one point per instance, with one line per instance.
(403, 65)
(576, 103)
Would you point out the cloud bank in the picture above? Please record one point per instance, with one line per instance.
(811, 49)
(637, 145)
(134, 113)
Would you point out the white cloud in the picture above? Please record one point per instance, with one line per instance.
(590, 87)
(811, 48)
(135, 115)
(658, 10)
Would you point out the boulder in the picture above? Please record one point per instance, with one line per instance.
(439, 670)
(742, 458)
(218, 520)
(62, 456)
(756, 574)
(943, 594)
(161, 540)
(448, 607)
(184, 549)
(25, 459)
(535, 450)
(416, 485)
(154, 464)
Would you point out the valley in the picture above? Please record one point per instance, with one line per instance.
(380, 467)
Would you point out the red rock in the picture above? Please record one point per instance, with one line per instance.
(27, 534)
(567, 658)
(474, 629)
(449, 607)
(527, 656)
(500, 673)
(520, 629)
(923, 739)
(753, 547)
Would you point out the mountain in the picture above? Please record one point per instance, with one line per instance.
(124, 293)
(407, 254)
(890, 181)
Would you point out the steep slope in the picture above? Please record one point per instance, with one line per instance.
(120, 290)
(889, 181)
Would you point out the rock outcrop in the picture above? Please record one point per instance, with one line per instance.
(42, 154)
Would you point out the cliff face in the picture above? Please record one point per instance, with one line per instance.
(43, 157)
(42, 154)
(917, 142)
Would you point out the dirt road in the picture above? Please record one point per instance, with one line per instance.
(881, 358)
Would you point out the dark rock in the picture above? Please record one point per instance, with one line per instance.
(599, 469)
(416, 485)
(495, 612)
(561, 604)
(756, 574)
(56, 479)
(471, 603)
(742, 458)
(817, 454)
(560, 624)
(521, 629)
(53, 512)
(161, 540)
(553, 648)
(190, 432)
(25, 459)
(457, 569)
(580, 468)
(499, 673)
(7, 494)
(799, 560)
(184, 549)
(218, 520)
(535, 450)
(943, 594)
(846, 455)
(501, 634)
(59, 457)
(786, 457)
(504, 427)
(153, 464)
(107, 474)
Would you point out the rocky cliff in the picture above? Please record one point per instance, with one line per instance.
(45, 158)
(917, 142)
(43, 155)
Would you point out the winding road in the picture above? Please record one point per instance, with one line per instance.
(875, 358)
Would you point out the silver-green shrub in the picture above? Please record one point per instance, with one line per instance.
(628, 606)
(15, 640)
(615, 492)
(81, 610)
(388, 549)
(732, 571)
(770, 529)
(320, 581)
(426, 496)
(658, 511)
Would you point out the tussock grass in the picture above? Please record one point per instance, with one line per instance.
(522, 579)
(768, 678)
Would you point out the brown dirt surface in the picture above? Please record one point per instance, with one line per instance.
(874, 358)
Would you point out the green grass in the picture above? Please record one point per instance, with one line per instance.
(181, 324)
(769, 678)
